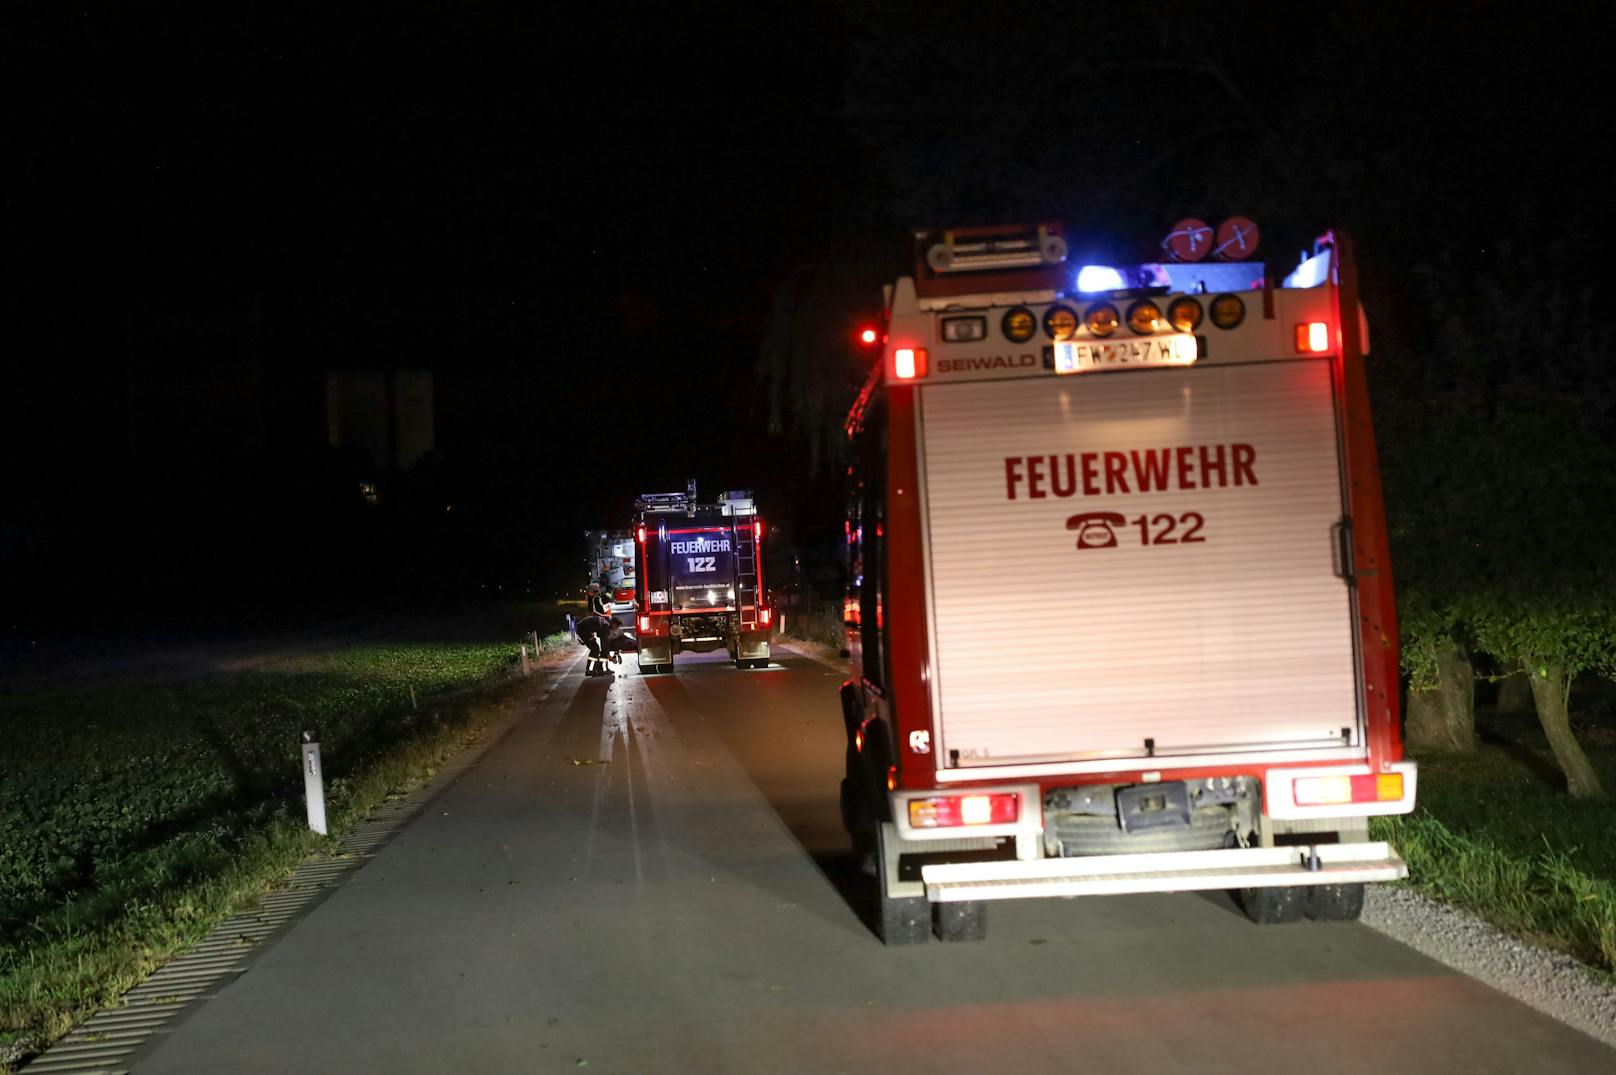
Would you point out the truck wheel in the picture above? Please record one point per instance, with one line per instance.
(959, 922)
(904, 919)
(860, 829)
(1335, 903)
(1272, 906)
(849, 808)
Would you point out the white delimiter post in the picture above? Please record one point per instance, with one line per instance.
(313, 782)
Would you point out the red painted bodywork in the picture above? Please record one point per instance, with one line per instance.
(1377, 602)
(908, 696)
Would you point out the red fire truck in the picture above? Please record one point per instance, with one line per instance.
(1202, 691)
(700, 578)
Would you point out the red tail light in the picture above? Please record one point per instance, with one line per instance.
(1332, 790)
(645, 623)
(765, 616)
(951, 811)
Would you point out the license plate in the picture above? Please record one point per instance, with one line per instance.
(1088, 356)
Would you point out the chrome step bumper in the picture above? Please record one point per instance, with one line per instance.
(1176, 871)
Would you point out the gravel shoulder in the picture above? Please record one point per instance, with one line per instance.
(1550, 982)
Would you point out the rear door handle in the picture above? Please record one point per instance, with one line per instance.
(1341, 549)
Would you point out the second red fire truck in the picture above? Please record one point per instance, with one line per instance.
(1203, 693)
(700, 579)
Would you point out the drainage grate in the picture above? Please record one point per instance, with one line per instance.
(108, 1042)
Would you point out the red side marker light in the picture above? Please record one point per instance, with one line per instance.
(1313, 338)
(757, 529)
(868, 335)
(909, 363)
(640, 533)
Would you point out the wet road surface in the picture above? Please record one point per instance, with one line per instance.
(648, 875)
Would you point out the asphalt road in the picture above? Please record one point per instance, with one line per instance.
(647, 875)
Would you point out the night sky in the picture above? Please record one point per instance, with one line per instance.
(580, 220)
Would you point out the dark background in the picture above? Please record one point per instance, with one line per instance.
(631, 246)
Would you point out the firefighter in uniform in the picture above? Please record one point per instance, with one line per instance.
(597, 602)
(600, 635)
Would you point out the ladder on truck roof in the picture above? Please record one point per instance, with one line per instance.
(746, 574)
(742, 510)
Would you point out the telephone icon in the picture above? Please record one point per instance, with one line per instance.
(1094, 529)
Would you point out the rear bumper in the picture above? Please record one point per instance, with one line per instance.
(1179, 871)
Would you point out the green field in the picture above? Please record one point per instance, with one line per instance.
(1495, 832)
(136, 811)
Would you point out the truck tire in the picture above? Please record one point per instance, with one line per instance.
(849, 808)
(1335, 903)
(956, 923)
(903, 920)
(1274, 906)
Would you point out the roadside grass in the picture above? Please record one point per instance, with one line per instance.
(135, 814)
(821, 624)
(1496, 833)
